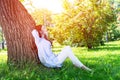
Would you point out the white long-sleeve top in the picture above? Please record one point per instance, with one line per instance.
(45, 54)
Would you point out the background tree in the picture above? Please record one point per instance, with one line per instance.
(84, 22)
(17, 25)
(113, 32)
(42, 16)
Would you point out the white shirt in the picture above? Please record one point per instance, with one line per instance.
(45, 54)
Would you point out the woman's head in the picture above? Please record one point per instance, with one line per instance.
(38, 27)
(41, 30)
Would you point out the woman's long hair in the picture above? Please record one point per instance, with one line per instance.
(39, 30)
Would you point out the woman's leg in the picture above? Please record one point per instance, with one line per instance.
(67, 52)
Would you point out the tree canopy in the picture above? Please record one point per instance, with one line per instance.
(83, 22)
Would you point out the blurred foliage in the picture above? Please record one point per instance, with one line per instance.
(21, 0)
(42, 16)
(113, 33)
(83, 23)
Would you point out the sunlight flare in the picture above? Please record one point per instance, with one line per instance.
(53, 5)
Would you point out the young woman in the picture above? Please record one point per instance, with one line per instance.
(45, 54)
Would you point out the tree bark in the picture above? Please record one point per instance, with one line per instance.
(17, 25)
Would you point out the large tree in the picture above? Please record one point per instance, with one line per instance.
(17, 25)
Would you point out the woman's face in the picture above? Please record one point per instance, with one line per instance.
(44, 30)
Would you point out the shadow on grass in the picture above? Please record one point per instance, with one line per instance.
(106, 48)
(110, 47)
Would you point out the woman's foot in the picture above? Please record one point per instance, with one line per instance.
(86, 68)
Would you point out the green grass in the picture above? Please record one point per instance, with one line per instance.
(104, 60)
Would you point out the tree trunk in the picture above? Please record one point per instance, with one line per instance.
(17, 25)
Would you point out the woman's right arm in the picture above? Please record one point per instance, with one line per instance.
(36, 36)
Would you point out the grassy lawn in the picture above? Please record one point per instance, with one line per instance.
(104, 60)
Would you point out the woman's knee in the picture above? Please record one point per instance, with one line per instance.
(67, 48)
